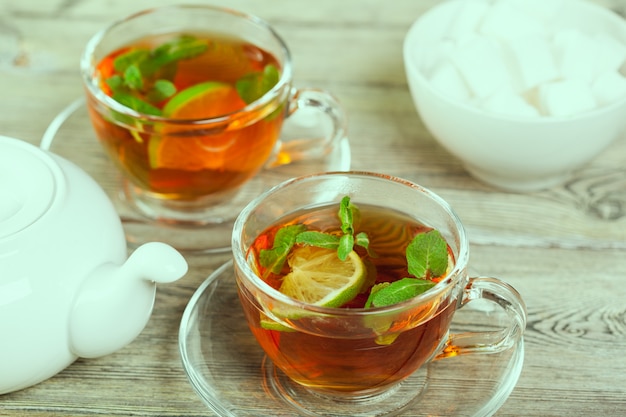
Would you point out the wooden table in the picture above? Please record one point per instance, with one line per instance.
(563, 249)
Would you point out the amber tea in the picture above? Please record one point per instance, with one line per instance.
(349, 281)
(192, 77)
(360, 354)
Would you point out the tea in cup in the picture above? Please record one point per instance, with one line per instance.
(349, 282)
(189, 103)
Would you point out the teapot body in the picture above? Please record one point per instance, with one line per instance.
(45, 255)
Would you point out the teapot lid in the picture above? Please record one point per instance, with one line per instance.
(29, 181)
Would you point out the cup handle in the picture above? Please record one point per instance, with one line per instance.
(493, 341)
(303, 143)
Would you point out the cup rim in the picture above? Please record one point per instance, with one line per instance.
(457, 273)
(408, 48)
(87, 66)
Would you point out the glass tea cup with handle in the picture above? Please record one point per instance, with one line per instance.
(350, 281)
(190, 103)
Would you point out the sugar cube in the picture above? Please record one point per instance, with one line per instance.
(533, 61)
(447, 80)
(566, 97)
(507, 102)
(466, 19)
(609, 88)
(610, 53)
(482, 66)
(428, 59)
(575, 54)
(544, 10)
(505, 21)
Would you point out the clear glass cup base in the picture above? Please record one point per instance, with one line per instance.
(214, 209)
(190, 227)
(390, 401)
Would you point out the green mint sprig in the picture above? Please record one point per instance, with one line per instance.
(144, 76)
(286, 237)
(344, 243)
(427, 256)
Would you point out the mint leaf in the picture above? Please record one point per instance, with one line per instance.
(397, 292)
(134, 56)
(115, 83)
(363, 240)
(161, 90)
(136, 104)
(133, 77)
(319, 239)
(346, 244)
(185, 47)
(247, 88)
(427, 255)
(274, 259)
(271, 76)
(253, 86)
(373, 291)
(346, 215)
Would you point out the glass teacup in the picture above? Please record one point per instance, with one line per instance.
(359, 353)
(189, 103)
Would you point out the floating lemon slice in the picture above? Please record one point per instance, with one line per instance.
(319, 277)
(203, 101)
(173, 149)
(269, 324)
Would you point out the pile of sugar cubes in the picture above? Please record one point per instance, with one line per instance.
(506, 57)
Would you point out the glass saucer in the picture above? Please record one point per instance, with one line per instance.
(231, 374)
(71, 129)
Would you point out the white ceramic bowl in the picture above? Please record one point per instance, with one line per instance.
(512, 152)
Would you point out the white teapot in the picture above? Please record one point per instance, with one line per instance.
(67, 289)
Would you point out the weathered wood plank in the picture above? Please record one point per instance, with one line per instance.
(563, 249)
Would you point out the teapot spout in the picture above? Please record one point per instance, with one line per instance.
(115, 302)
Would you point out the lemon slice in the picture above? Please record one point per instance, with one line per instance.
(319, 277)
(269, 324)
(203, 100)
(175, 150)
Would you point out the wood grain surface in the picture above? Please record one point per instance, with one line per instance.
(564, 249)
